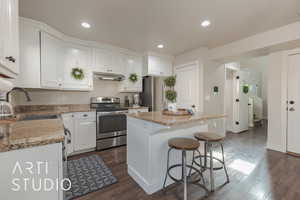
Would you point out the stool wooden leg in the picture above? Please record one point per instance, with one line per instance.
(184, 174)
(211, 170)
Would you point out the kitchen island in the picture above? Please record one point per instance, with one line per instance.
(147, 144)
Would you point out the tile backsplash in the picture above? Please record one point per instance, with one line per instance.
(47, 97)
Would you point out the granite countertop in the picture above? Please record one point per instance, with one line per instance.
(22, 111)
(20, 134)
(166, 120)
(24, 134)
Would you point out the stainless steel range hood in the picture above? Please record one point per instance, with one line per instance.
(109, 76)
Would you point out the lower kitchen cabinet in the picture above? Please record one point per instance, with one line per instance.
(137, 110)
(85, 134)
(82, 126)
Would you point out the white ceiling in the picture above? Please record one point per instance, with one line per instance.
(142, 24)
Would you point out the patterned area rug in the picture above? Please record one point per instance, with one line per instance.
(88, 174)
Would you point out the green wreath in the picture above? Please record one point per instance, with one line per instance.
(77, 73)
(133, 77)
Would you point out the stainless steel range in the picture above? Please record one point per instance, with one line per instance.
(111, 122)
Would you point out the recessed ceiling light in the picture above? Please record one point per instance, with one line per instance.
(205, 23)
(85, 25)
(160, 46)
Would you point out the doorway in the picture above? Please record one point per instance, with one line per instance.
(246, 94)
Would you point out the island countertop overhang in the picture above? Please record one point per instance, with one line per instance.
(166, 120)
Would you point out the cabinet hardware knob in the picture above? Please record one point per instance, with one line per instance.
(85, 115)
(11, 59)
(292, 109)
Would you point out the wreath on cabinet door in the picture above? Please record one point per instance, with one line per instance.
(133, 77)
(77, 73)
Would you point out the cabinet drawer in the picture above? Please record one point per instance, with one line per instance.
(111, 142)
(84, 115)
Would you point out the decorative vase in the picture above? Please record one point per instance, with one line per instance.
(172, 107)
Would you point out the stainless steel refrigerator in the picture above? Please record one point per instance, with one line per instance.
(153, 93)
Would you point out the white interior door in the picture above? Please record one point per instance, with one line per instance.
(293, 137)
(187, 86)
(240, 105)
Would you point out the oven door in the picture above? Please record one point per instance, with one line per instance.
(111, 125)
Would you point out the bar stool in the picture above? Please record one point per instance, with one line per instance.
(184, 145)
(210, 139)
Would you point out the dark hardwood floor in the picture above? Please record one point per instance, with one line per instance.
(255, 174)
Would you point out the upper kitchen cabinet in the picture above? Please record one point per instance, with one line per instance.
(157, 65)
(29, 76)
(133, 66)
(59, 61)
(52, 62)
(106, 61)
(77, 57)
(9, 38)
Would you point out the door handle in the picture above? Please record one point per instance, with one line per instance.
(292, 109)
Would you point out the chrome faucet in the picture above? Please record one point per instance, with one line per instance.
(20, 89)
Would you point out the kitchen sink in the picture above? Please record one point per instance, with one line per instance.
(38, 117)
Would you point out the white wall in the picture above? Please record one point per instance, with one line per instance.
(229, 99)
(41, 97)
(282, 38)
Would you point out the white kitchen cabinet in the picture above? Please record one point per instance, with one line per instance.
(82, 126)
(9, 37)
(85, 131)
(106, 61)
(133, 65)
(137, 110)
(52, 61)
(58, 58)
(38, 164)
(77, 56)
(30, 72)
(157, 65)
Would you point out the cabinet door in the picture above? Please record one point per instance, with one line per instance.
(165, 67)
(9, 44)
(29, 56)
(119, 64)
(77, 56)
(133, 65)
(153, 66)
(85, 134)
(103, 61)
(52, 54)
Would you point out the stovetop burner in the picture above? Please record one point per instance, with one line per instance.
(106, 104)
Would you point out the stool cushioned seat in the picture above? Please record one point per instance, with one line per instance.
(184, 144)
(209, 136)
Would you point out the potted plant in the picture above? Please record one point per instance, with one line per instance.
(171, 94)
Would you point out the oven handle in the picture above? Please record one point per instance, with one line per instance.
(111, 113)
